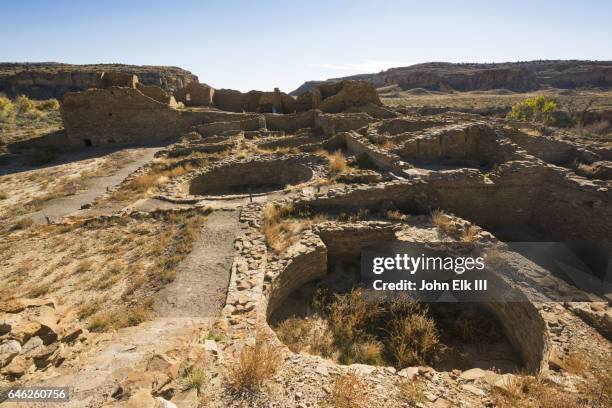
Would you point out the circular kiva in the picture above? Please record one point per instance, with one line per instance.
(250, 177)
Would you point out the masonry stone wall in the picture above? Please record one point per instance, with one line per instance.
(195, 94)
(290, 122)
(108, 79)
(299, 271)
(331, 124)
(121, 115)
(213, 128)
(277, 173)
(472, 144)
(548, 149)
(527, 194)
(154, 92)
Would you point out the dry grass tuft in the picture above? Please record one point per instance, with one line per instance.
(470, 234)
(23, 223)
(524, 391)
(280, 234)
(118, 318)
(354, 328)
(443, 222)
(413, 338)
(348, 391)
(337, 162)
(193, 378)
(310, 335)
(255, 365)
(394, 215)
(412, 392)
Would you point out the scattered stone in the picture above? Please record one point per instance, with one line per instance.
(8, 350)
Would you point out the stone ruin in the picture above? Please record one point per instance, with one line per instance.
(124, 111)
(468, 167)
(485, 175)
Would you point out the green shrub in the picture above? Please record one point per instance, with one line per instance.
(193, 378)
(6, 109)
(50, 104)
(23, 105)
(538, 109)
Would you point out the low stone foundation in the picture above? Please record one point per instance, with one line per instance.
(249, 177)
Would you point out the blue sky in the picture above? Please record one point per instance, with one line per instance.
(262, 44)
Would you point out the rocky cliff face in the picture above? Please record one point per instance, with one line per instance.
(53, 80)
(518, 76)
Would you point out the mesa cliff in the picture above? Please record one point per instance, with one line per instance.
(52, 80)
(514, 76)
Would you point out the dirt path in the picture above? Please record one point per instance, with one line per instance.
(202, 277)
(60, 207)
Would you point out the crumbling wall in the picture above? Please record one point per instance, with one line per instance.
(331, 124)
(276, 102)
(155, 92)
(373, 110)
(336, 97)
(471, 144)
(550, 150)
(121, 115)
(254, 101)
(360, 145)
(300, 270)
(108, 79)
(195, 94)
(527, 332)
(291, 122)
(230, 100)
(527, 194)
(240, 177)
(402, 125)
(209, 129)
(574, 208)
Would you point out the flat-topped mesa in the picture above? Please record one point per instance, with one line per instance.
(53, 80)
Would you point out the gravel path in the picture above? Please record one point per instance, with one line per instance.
(202, 277)
(61, 207)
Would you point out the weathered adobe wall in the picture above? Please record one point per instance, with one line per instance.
(108, 79)
(291, 122)
(345, 241)
(289, 141)
(299, 270)
(154, 92)
(253, 101)
(199, 94)
(328, 240)
(346, 94)
(373, 110)
(210, 129)
(550, 150)
(229, 100)
(283, 103)
(402, 125)
(337, 97)
(527, 195)
(122, 115)
(359, 144)
(250, 173)
(210, 116)
(575, 208)
(472, 144)
(527, 332)
(332, 124)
